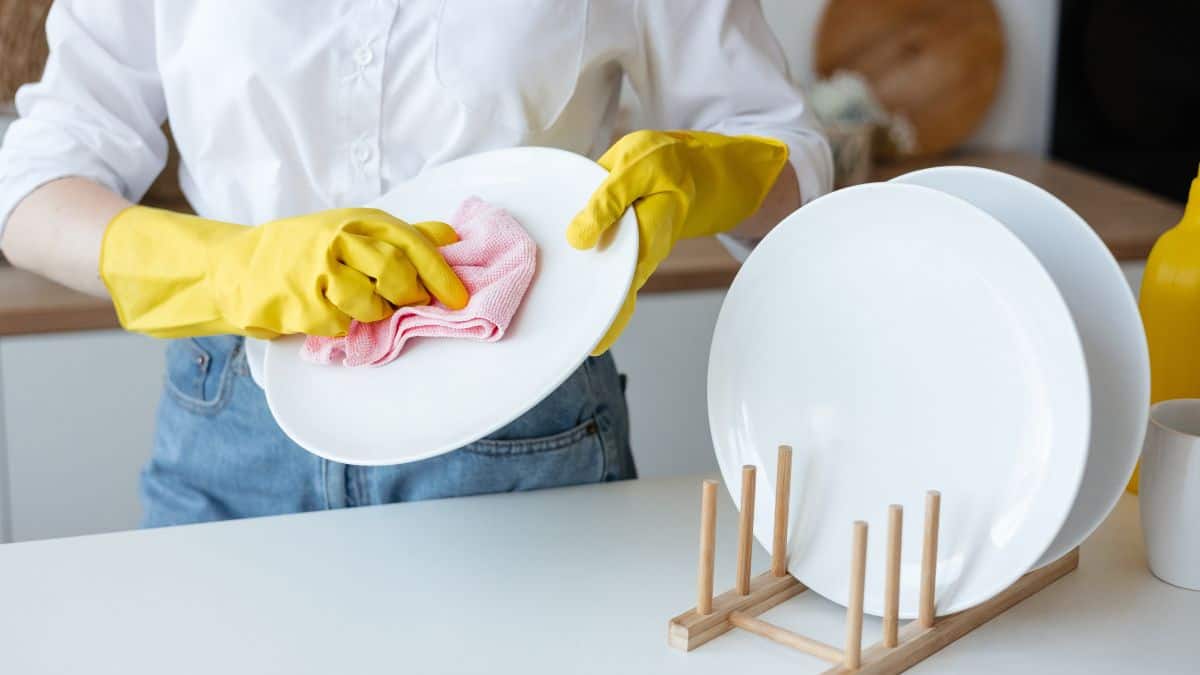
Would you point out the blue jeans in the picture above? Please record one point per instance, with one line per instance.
(218, 453)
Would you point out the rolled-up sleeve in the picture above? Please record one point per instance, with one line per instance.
(716, 66)
(98, 110)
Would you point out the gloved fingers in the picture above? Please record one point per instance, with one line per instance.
(394, 275)
(638, 166)
(618, 324)
(437, 232)
(383, 225)
(379, 224)
(441, 281)
(420, 246)
(396, 232)
(353, 293)
(606, 206)
(398, 283)
(659, 215)
(432, 269)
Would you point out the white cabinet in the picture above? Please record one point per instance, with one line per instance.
(77, 425)
(664, 353)
(78, 414)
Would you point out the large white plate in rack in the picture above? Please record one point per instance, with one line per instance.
(1105, 313)
(901, 339)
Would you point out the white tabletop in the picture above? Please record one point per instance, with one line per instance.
(571, 580)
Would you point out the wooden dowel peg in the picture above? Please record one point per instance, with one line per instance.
(854, 605)
(786, 637)
(891, 588)
(708, 535)
(783, 495)
(925, 611)
(900, 648)
(745, 531)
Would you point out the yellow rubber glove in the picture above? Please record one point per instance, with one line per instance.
(175, 275)
(1170, 306)
(680, 184)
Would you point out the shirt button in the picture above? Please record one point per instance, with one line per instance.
(362, 152)
(363, 56)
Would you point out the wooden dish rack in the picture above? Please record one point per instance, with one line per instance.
(901, 647)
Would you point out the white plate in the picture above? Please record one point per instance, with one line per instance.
(1105, 314)
(902, 340)
(256, 359)
(443, 394)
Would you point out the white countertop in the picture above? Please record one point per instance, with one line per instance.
(577, 580)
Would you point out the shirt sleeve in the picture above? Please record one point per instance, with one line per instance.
(716, 66)
(98, 110)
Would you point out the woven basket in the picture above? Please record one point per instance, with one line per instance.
(22, 58)
(23, 34)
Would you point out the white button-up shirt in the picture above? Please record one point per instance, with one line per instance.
(281, 107)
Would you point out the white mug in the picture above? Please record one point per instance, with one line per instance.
(1169, 492)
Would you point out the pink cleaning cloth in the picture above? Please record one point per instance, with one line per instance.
(495, 258)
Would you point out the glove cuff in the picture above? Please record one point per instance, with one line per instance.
(155, 264)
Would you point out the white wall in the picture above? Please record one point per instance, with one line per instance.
(1020, 117)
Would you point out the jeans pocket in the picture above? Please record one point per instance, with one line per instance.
(198, 371)
(570, 457)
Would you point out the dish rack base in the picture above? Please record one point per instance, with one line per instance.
(901, 646)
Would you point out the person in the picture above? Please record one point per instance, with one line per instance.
(289, 116)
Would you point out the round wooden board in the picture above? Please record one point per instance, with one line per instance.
(936, 62)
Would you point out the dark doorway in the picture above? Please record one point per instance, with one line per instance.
(1127, 94)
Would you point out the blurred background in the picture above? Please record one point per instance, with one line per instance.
(1093, 99)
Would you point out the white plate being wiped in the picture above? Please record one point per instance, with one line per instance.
(256, 359)
(442, 394)
(902, 340)
(1105, 313)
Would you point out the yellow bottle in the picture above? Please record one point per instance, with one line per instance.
(1170, 306)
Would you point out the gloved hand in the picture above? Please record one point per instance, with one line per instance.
(680, 184)
(175, 275)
